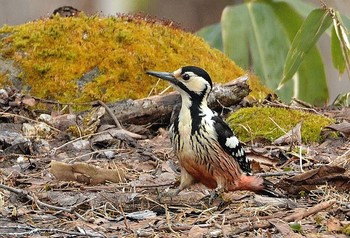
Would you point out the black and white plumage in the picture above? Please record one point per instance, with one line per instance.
(207, 149)
(231, 144)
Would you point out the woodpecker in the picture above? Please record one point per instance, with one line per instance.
(207, 150)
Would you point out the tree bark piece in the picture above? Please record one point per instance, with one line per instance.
(159, 108)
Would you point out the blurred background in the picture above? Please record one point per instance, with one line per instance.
(192, 15)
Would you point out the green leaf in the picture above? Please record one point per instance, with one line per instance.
(235, 32)
(301, 6)
(241, 45)
(340, 32)
(255, 25)
(296, 227)
(310, 80)
(337, 55)
(311, 30)
(269, 43)
(212, 35)
(342, 100)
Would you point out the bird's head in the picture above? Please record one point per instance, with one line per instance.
(190, 81)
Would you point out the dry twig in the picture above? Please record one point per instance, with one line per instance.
(6, 114)
(297, 215)
(32, 230)
(111, 114)
(25, 194)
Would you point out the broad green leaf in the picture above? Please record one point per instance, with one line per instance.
(241, 45)
(345, 21)
(269, 43)
(311, 83)
(337, 55)
(341, 35)
(235, 28)
(342, 100)
(212, 35)
(289, 17)
(310, 79)
(311, 30)
(302, 7)
(254, 24)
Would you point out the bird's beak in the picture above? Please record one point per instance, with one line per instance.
(164, 75)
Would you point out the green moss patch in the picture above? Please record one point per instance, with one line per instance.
(250, 123)
(56, 54)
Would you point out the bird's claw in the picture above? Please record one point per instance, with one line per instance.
(170, 193)
(214, 194)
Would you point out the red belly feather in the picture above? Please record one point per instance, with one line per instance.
(199, 172)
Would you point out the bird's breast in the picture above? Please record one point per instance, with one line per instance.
(192, 143)
(184, 136)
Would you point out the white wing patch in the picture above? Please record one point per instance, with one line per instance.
(240, 153)
(232, 142)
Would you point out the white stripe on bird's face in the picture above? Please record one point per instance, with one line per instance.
(193, 82)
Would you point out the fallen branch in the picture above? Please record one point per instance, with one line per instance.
(233, 220)
(24, 194)
(6, 114)
(110, 113)
(159, 108)
(297, 215)
(277, 174)
(300, 214)
(33, 230)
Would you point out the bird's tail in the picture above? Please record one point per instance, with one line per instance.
(269, 190)
(258, 185)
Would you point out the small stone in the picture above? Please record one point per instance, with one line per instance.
(42, 129)
(81, 145)
(109, 154)
(45, 118)
(3, 94)
(28, 130)
(21, 160)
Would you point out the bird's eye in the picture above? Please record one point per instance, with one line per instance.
(186, 77)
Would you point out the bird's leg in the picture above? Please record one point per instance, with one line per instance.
(185, 181)
(216, 193)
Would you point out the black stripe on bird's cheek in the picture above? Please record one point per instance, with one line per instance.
(196, 109)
